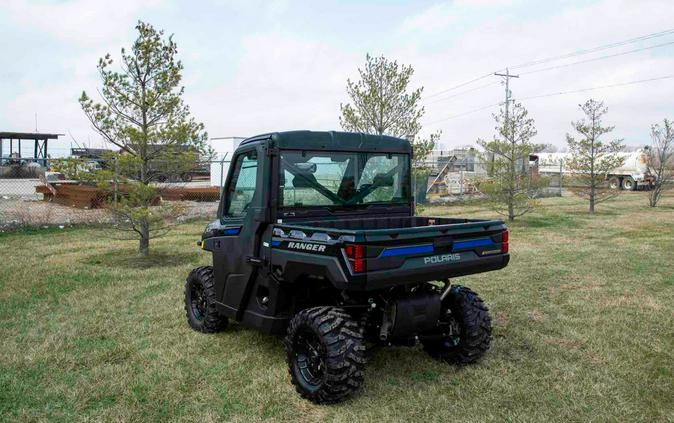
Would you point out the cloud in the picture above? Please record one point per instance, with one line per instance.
(448, 14)
(82, 22)
(280, 82)
(438, 16)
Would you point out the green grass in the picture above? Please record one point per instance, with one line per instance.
(583, 316)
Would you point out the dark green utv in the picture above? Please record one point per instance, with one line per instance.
(316, 240)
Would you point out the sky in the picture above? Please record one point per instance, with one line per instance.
(259, 66)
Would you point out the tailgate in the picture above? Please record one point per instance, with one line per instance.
(435, 252)
(433, 245)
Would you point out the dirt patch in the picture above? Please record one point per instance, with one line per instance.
(578, 287)
(536, 315)
(501, 319)
(596, 359)
(567, 344)
(642, 302)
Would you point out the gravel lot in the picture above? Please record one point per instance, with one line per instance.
(20, 212)
(20, 205)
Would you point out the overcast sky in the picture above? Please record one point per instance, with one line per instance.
(260, 66)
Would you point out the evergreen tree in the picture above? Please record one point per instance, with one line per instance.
(142, 112)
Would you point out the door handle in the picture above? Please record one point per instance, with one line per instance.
(255, 261)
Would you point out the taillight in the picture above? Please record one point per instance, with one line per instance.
(356, 255)
(504, 241)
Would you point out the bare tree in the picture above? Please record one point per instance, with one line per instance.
(590, 158)
(659, 158)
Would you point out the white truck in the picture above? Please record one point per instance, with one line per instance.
(632, 174)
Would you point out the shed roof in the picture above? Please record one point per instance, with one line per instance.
(28, 136)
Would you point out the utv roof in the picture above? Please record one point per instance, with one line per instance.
(332, 140)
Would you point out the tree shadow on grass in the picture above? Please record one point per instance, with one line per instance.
(130, 259)
(598, 213)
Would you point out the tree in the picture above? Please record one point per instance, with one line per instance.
(142, 113)
(381, 104)
(590, 159)
(510, 189)
(660, 159)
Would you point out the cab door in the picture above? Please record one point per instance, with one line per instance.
(234, 253)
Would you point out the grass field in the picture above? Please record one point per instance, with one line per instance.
(583, 315)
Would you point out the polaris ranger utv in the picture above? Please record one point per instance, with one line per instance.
(316, 240)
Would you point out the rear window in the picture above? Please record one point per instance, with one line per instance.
(320, 178)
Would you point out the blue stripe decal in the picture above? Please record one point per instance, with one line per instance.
(472, 243)
(232, 231)
(402, 251)
(275, 243)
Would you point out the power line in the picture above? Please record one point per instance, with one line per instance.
(460, 85)
(567, 65)
(463, 92)
(597, 58)
(565, 56)
(464, 113)
(622, 84)
(553, 94)
(594, 49)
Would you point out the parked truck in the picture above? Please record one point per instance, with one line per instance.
(633, 174)
(316, 240)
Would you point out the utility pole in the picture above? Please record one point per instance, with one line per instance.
(509, 136)
(507, 77)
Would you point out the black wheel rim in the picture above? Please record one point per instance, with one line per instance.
(309, 359)
(198, 301)
(451, 333)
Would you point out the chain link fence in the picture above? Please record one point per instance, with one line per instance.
(30, 195)
(451, 180)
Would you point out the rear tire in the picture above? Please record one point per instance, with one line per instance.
(200, 308)
(325, 354)
(471, 318)
(614, 183)
(629, 184)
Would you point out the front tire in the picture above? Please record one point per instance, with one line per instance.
(200, 308)
(325, 354)
(466, 328)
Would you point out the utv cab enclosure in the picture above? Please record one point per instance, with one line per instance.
(316, 240)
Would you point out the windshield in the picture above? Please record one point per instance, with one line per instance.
(325, 178)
